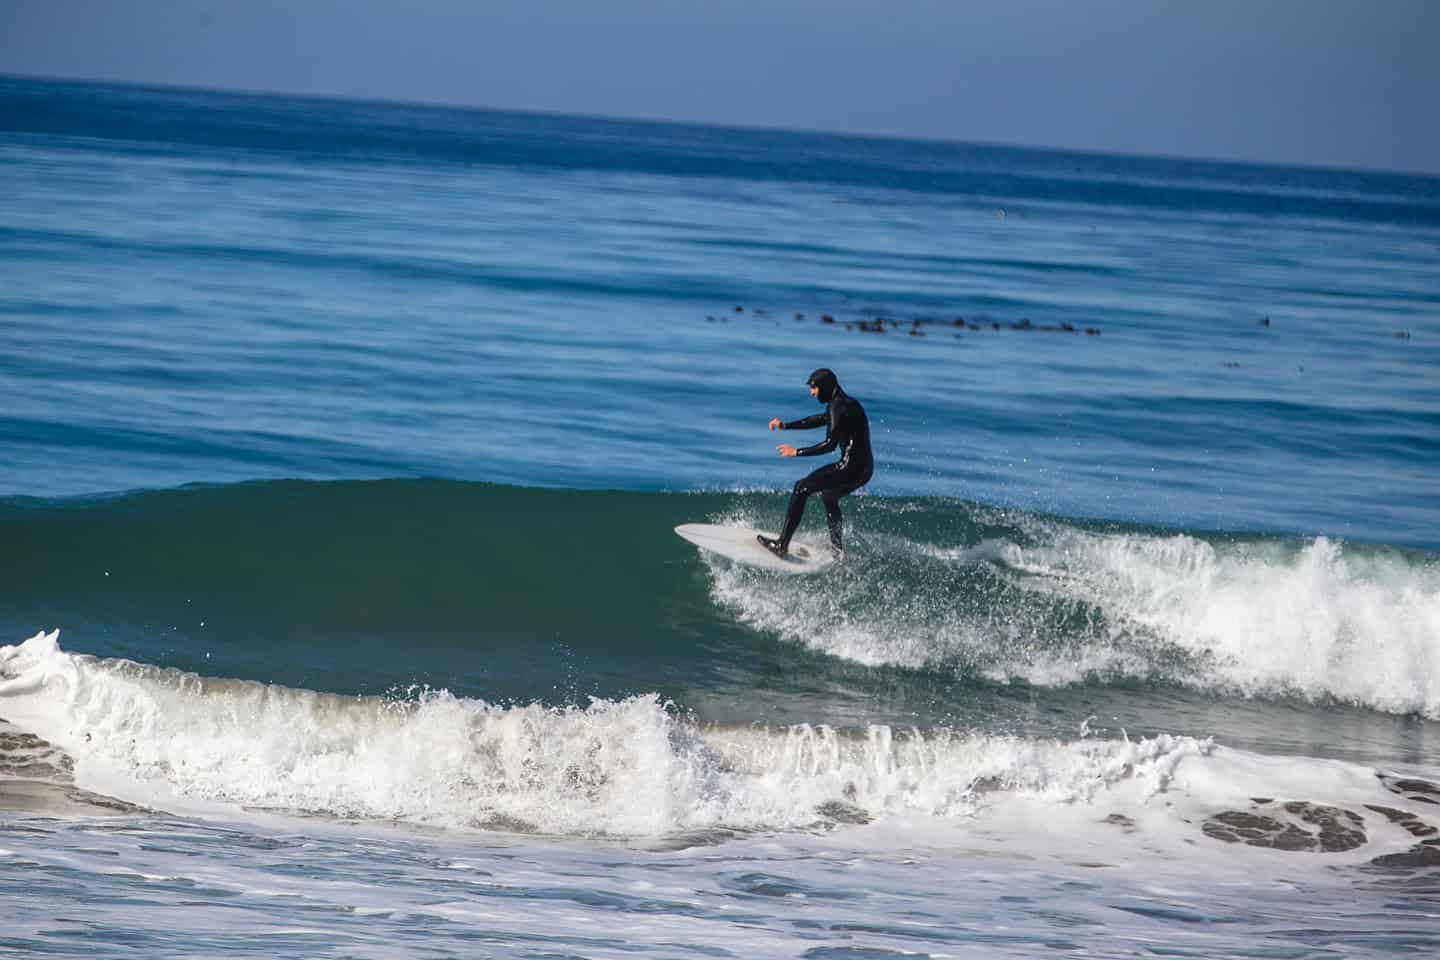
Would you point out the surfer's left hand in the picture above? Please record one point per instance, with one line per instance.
(786, 450)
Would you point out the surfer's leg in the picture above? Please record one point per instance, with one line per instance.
(834, 519)
(840, 485)
(795, 510)
(821, 479)
(780, 546)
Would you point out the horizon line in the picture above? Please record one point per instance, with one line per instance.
(1301, 166)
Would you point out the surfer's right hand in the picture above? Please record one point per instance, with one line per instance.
(777, 424)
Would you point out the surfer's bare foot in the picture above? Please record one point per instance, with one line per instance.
(774, 546)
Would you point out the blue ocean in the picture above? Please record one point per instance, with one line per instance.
(341, 611)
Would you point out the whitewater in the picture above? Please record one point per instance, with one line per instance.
(695, 834)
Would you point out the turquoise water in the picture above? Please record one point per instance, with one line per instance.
(342, 442)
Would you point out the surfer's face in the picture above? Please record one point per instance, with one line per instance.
(814, 391)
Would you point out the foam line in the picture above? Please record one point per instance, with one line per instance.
(632, 767)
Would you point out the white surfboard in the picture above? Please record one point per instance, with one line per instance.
(739, 544)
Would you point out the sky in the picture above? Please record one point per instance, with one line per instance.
(1317, 82)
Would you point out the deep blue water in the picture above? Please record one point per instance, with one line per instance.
(343, 441)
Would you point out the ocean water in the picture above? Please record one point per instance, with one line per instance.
(340, 613)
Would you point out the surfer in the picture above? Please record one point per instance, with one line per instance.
(846, 427)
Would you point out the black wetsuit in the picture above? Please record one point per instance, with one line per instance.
(846, 427)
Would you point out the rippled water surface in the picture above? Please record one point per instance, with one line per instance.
(342, 444)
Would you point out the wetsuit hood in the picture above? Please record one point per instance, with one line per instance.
(825, 380)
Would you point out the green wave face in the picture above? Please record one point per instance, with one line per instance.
(941, 612)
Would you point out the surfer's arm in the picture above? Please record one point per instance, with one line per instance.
(807, 423)
(832, 434)
(816, 449)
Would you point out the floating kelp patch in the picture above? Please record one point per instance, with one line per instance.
(1293, 825)
(42, 798)
(1426, 853)
(37, 777)
(881, 322)
(1305, 826)
(838, 811)
(1412, 824)
(1419, 791)
(25, 756)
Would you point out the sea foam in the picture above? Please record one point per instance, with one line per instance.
(630, 768)
(1062, 604)
(1317, 620)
